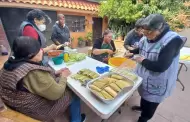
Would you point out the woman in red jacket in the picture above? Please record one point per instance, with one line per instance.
(34, 26)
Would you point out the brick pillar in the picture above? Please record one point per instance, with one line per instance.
(3, 37)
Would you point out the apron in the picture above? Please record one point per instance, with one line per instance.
(105, 56)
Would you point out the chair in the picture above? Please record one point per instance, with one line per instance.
(182, 64)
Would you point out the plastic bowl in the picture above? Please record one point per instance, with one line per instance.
(116, 61)
(54, 53)
(58, 60)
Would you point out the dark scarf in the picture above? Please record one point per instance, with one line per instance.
(12, 63)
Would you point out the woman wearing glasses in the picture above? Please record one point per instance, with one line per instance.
(157, 64)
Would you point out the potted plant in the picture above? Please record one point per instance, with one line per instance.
(81, 42)
(89, 39)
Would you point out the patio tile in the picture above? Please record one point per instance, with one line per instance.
(178, 119)
(159, 118)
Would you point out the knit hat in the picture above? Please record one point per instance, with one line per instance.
(25, 47)
(153, 22)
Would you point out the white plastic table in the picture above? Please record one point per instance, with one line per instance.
(101, 109)
(183, 51)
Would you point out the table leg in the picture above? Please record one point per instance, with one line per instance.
(119, 110)
(185, 67)
(183, 87)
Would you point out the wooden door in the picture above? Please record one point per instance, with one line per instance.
(97, 28)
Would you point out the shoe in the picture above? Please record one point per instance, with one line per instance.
(3, 50)
(83, 117)
(136, 108)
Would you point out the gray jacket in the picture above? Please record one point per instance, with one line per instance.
(60, 34)
(41, 38)
(156, 86)
(132, 38)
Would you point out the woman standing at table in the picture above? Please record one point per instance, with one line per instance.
(157, 64)
(133, 37)
(34, 26)
(36, 90)
(104, 47)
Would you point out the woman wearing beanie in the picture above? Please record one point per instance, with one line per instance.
(33, 89)
(157, 64)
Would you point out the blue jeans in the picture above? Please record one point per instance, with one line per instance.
(75, 110)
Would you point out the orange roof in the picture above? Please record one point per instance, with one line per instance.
(73, 4)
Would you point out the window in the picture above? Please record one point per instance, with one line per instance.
(75, 23)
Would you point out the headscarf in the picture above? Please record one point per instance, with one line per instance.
(24, 48)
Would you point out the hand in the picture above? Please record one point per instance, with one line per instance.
(67, 43)
(60, 71)
(59, 46)
(130, 48)
(139, 59)
(128, 54)
(65, 72)
(109, 51)
(134, 46)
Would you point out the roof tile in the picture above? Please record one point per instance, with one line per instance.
(74, 4)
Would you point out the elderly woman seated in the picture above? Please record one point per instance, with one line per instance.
(103, 47)
(33, 89)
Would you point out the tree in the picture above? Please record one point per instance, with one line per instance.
(128, 11)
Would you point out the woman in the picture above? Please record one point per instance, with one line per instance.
(34, 26)
(104, 47)
(33, 89)
(157, 65)
(134, 36)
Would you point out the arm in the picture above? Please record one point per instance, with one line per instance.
(128, 40)
(113, 45)
(165, 58)
(44, 85)
(99, 51)
(126, 44)
(135, 51)
(48, 48)
(54, 36)
(97, 48)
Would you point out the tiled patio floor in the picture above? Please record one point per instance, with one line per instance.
(174, 109)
